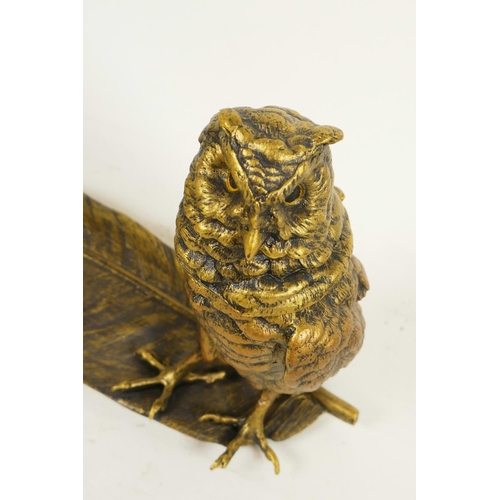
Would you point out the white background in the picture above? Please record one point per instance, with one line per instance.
(155, 72)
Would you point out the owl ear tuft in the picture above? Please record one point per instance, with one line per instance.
(327, 135)
(229, 120)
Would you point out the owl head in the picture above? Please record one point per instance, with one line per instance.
(264, 178)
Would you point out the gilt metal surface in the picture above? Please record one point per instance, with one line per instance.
(132, 300)
(259, 305)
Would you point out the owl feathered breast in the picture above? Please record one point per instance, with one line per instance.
(265, 241)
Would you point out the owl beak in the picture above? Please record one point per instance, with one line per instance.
(252, 241)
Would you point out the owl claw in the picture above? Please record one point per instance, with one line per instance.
(251, 431)
(221, 462)
(208, 378)
(160, 403)
(270, 455)
(218, 419)
(168, 377)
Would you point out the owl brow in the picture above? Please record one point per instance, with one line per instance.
(234, 165)
(301, 172)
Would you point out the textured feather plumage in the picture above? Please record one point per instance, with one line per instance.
(287, 317)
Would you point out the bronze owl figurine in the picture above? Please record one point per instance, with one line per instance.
(266, 248)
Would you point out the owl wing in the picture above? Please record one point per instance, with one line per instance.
(363, 284)
(329, 334)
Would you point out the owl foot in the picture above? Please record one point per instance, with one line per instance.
(251, 431)
(168, 377)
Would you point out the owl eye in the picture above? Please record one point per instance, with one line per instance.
(230, 184)
(295, 196)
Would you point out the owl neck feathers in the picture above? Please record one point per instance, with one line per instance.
(266, 295)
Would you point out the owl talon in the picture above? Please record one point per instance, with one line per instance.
(208, 378)
(219, 419)
(269, 453)
(221, 462)
(168, 377)
(134, 384)
(251, 431)
(160, 403)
